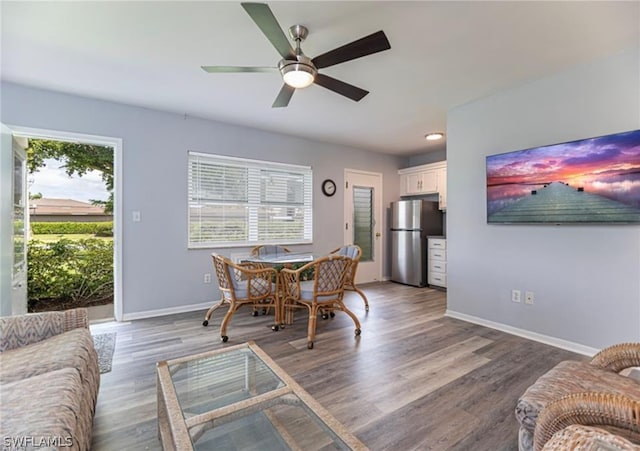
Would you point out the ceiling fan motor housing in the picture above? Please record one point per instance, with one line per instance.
(298, 73)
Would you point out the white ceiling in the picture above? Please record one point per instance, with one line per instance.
(442, 54)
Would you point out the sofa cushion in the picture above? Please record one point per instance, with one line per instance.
(565, 378)
(73, 349)
(18, 331)
(45, 411)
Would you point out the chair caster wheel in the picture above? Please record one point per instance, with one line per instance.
(275, 328)
(254, 313)
(224, 338)
(325, 316)
(358, 332)
(310, 345)
(366, 309)
(332, 315)
(205, 323)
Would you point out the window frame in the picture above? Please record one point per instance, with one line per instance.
(253, 199)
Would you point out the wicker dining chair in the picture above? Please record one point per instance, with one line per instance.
(324, 292)
(242, 284)
(354, 252)
(617, 414)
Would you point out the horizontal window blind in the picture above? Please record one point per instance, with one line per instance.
(235, 201)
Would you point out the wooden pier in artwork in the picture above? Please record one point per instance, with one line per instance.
(558, 203)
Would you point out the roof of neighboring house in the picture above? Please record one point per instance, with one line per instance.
(70, 207)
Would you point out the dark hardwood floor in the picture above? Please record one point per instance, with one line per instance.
(414, 379)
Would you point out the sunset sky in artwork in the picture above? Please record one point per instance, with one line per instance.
(600, 159)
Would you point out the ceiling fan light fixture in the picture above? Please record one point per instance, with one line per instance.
(298, 75)
(434, 136)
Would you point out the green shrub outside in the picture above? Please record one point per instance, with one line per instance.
(61, 228)
(104, 229)
(79, 271)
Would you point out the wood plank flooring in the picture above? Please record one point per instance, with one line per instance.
(414, 379)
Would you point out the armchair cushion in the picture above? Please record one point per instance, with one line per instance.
(254, 288)
(306, 292)
(349, 251)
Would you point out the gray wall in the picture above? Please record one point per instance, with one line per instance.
(158, 270)
(438, 153)
(585, 278)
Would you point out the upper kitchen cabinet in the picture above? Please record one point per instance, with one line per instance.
(425, 179)
(442, 187)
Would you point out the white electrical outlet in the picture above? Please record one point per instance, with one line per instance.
(528, 297)
(515, 295)
(207, 277)
(135, 216)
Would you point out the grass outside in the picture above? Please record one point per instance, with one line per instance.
(52, 238)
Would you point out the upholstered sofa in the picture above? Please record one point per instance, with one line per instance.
(603, 374)
(49, 380)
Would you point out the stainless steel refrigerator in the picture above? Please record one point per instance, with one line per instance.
(411, 222)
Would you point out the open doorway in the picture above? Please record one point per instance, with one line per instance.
(70, 215)
(87, 234)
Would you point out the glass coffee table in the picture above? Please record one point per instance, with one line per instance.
(238, 398)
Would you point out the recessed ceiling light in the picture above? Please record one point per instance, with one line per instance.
(434, 136)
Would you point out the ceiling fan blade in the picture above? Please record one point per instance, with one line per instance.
(347, 90)
(266, 21)
(233, 69)
(283, 97)
(374, 43)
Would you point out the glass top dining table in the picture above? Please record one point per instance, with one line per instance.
(282, 259)
(279, 261)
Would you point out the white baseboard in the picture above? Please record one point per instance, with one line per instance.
(167, 311)
(553, 341)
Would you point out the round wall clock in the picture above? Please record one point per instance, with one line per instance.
(329, 187)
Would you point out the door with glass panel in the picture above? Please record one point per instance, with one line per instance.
(363, 221)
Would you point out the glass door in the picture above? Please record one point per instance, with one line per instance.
(363, 221)
(20, 227)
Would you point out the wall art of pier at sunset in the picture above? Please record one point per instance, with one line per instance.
(593, 180)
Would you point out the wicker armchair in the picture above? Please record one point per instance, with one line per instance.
(618, 414)
(242, 284)
(600, 375)
(618, 357)
(325, 291)
(354, 252)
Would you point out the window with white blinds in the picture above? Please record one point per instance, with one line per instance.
(235, 202)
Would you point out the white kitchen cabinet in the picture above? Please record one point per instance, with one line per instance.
(425, 179)
(437, 261)
(421, 182)
(442, 188)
